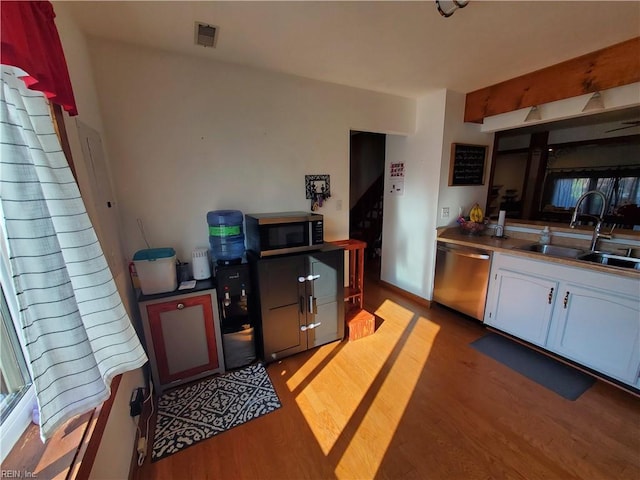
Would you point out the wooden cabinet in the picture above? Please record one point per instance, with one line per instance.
(300, 301)
(521, 304)
(182, 336)
(589, 317)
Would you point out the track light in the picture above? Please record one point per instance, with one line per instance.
(447, 7)
(594, 103)
(533, 115)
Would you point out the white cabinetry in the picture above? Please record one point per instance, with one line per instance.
(590, 317)
(521, 305)
(599, 329)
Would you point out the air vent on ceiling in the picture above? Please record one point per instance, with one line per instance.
(206, 35)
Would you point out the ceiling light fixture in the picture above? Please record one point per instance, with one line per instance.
(533, 115)
(447, 7)
(595, 103)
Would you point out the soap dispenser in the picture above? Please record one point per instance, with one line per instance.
(545, 236)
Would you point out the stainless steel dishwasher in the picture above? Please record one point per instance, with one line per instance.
(462, 277)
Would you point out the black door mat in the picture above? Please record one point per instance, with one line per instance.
(546, 371)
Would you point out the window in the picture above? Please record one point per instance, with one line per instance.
(14, 375)
(621, 187)
(17, 392)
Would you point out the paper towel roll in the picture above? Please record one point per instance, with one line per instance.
(501, 218)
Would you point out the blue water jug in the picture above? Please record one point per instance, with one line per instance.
(226, 235)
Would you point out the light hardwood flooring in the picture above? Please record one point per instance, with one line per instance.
(415, 401)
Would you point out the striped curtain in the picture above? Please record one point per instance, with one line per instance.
(77, 332)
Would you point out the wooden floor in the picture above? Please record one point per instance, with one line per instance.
(415, 401)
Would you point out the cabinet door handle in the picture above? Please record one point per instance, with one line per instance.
(180, 306)
(311, 304)
(314, 325)
(566, 299)
(309, 277)
(303, 328)
(479, 256)
(550, 295)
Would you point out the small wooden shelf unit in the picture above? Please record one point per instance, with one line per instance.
(360, 323)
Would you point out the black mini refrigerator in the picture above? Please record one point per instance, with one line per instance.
(233, 287)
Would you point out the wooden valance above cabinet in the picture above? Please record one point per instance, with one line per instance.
(610, 67)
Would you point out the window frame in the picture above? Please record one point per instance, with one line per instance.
(17, 421)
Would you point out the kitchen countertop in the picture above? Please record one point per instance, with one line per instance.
(511, 245)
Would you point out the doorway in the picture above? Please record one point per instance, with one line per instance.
(366, 193)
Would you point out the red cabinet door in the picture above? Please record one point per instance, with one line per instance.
(183, 336)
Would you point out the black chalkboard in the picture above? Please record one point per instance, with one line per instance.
(467, 164)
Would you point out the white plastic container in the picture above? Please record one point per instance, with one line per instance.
(200, 262)
(156, 269)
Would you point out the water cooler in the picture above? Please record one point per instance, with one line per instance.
(226, 236)
(236, 321)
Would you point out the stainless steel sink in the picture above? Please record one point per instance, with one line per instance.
(603, 258)
(611, 259)
(554, 250)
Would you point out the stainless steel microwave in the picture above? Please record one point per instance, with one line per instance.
(284, 232)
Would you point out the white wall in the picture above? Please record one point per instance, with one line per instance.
(456, 131)
(187, 136)
(509, 173)
(410, 220)
(113, 459)
(611, 155)
(409, 227)
(514, 142)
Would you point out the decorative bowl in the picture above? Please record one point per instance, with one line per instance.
(472, 228)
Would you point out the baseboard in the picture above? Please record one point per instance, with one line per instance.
(411, 296)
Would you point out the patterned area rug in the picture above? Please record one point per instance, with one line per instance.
(194, 413)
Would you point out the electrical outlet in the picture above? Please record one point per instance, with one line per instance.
(445, 212)
(135, 404)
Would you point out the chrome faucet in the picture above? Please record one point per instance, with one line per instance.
(597, 234)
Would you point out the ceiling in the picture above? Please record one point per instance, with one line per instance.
(401, 48)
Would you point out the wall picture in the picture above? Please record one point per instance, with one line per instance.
(467, 164)
(396, 178)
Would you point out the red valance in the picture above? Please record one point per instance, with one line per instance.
(30, 41)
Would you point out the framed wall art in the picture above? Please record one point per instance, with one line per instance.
(467, 166)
